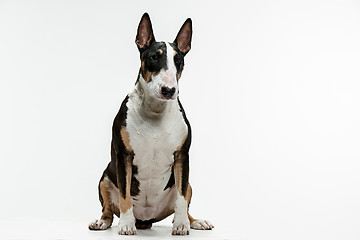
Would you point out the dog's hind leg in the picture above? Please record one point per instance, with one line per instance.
(108, 207)
(197, 224)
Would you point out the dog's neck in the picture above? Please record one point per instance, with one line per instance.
(150, 106)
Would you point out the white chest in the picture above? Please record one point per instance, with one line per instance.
(154, 143)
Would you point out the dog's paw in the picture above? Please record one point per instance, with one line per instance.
(201, 225)
(181, 229)
(99, 224)
(127, 223)
(127, 229)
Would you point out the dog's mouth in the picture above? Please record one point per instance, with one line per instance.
(164, 98)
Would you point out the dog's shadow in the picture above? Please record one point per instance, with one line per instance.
(156, 232)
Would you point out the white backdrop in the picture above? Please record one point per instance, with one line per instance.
(271, 89)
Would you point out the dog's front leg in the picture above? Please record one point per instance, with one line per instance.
(181, 224)
(124, 175)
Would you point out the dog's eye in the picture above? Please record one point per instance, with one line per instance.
(177, 60)
(154, 57)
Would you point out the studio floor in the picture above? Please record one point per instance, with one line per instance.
(64, 229)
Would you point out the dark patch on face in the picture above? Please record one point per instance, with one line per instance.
(178, 60)
(153, 59)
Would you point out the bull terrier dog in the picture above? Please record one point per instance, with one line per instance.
(147, 177)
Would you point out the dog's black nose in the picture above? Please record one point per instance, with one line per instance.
(168, 92)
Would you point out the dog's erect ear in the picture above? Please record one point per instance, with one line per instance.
(145, 35)
(183, 39)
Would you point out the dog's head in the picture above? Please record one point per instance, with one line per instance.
(162, 62)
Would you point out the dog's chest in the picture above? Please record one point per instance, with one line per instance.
(154, 143)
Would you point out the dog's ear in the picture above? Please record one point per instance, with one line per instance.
(183, 39)
(145, 35)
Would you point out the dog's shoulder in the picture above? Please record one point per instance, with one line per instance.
(119, 128)
(120, 119)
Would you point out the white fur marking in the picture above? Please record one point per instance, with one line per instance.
(127, 223)
(154, 141)
(181, 225)
(170, 78)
